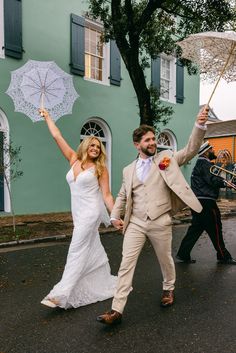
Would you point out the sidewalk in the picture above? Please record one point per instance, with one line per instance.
(59, 226)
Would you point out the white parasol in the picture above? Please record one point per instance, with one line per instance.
(214, 53)
(42, 84)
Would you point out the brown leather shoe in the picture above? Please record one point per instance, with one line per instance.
(167, 298)
(110, 318)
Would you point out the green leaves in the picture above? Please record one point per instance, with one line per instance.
(146, 28)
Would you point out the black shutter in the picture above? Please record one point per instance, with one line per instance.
(156, 73)
(1, 173)
(77, 45)
(179, 82)
(115, 77)
(13, 28)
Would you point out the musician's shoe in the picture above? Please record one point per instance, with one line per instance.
(227, 262)
(186, 261)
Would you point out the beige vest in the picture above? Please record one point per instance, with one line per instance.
(146, 201)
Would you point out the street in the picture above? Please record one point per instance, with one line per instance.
(202, 320)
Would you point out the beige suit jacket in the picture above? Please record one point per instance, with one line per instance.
(174, 183)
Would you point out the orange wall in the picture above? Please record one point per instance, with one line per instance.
(222, 143)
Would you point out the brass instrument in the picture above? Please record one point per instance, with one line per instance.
(218, 171)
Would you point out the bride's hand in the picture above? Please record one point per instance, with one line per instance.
(44, 113)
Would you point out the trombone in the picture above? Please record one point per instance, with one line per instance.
(218, 171)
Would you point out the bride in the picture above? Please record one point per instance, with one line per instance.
(86, 278)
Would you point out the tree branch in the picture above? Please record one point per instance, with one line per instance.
(151, 7)
(120, 35)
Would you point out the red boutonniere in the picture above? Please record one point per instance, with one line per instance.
(164, 163)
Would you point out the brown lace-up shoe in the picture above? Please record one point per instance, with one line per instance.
(167, 298)
(110, 318)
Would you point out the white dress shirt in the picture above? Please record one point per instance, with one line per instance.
(143, 167)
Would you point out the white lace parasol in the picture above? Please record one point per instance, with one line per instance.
(42, 84)
(214, 53)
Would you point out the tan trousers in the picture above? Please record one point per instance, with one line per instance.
(159, 233)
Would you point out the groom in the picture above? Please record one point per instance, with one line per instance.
(153, 188)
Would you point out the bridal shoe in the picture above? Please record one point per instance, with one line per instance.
(48, 303)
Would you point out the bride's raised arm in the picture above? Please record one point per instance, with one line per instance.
(66, 150)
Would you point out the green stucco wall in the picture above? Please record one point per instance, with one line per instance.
(46, 36)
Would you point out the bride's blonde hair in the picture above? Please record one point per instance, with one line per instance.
(82, 154)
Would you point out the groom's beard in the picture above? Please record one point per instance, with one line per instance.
(149, 151)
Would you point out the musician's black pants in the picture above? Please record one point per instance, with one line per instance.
(210, 221)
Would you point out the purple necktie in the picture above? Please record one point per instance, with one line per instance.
(146, 165)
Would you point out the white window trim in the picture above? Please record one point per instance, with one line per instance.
(2, 55)
(107, 139)
(172, 90)
(106, 56)
(4, 126)
(172, 137)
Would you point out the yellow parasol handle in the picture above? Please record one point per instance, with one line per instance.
(222, 72)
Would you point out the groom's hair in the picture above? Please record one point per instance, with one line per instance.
(142, 130)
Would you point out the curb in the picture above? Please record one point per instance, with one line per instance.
(51, 238)
(35, 240)
(64, 237)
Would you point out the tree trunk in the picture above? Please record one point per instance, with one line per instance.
(11, 204)
(129, 50)
(138, 79)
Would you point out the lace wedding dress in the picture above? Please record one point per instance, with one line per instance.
(87, 276)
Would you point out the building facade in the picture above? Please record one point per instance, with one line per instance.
(60, 31)
(222, 136)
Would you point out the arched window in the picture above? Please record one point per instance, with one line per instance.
(92, 128)
(4, 140)
(98, 128)
(166, 140)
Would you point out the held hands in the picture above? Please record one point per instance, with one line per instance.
(203, 115)
(118, 223)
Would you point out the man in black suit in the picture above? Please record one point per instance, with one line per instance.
(206, 187)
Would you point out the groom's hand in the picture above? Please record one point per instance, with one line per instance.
(203, 115)
(118, 223)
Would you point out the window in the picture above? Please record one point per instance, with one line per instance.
(94, 55)
(90, 58)
(168, 83)
(167, 76)
(166, 140)
(91, 128)
(98, 128)
(1, 30)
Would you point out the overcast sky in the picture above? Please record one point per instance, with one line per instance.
(223, 101)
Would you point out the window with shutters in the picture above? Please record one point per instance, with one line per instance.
(96, 54)
(90, 58)
(1, 30)
(168, 78)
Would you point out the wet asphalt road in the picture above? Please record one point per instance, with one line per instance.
(202, 320)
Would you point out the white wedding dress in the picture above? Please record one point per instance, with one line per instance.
(87, 276)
